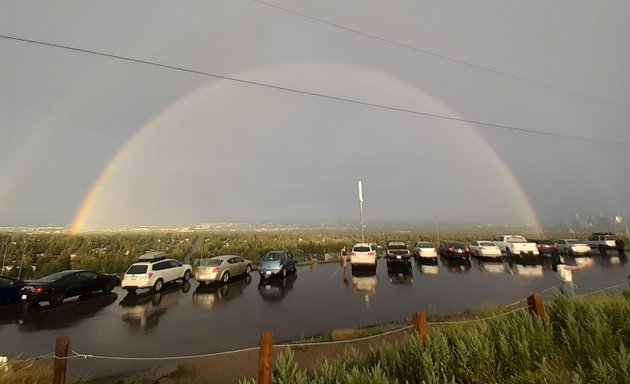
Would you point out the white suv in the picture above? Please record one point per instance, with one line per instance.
(153, 271)
(363, 254)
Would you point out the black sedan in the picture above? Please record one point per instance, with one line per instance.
(10, 289)
(545, 247)
(454, 249)
(58, 286)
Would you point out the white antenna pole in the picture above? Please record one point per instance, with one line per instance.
(361, 209)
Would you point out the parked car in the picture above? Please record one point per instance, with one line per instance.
(363, 254)
(10, 289)
(396, 250)
(153, 270)
(545, 247)
(424, 249)
(484, 248)
(572, 246)
(605, 241)
(221, 268)
(277, 263)
(454, 249)
(61, 285)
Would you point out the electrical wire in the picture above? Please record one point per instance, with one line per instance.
(316, 94)
(438, 55)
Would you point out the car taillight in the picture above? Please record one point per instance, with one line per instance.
(39, 290)
(215, 270)
(370, 253)
(353, 254)
(538, 246)
(450, 249)
(467, 249)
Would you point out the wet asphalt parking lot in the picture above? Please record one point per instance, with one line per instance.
(189, 319)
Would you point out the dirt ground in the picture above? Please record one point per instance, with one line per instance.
(231, 368)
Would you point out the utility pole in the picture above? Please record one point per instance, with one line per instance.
(4, 259)
(361, 209)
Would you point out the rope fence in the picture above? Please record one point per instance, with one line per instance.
(534, 305)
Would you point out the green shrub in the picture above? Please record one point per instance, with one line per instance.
(583, 340)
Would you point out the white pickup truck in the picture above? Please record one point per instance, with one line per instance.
(515, 245)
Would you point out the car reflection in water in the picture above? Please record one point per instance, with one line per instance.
(492, 267)
(66, 315)
(364, 281)
(428, 266)
(209, 294)
(399, 273)
(457, 265)
(275, 289)
(142, 311)
(525, 268)
(610, 261)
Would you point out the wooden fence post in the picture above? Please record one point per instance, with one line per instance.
(536, 306)
(60, 364)
(420, 322)
(264, 358)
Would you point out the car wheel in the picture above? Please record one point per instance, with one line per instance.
(602, 249)
(56, 299)
(248, 269)
(157, 287)
(109, 286)
(225, 277)
(186, 276)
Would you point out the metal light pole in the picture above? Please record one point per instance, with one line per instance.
(22, 261)
(361, 209)
(623, 219)
(4, 259)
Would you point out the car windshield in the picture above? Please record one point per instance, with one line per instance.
(137, 269)
(271, 257)
(361, 249)
(425, 245)
(486, 244)
(210, 262)
(572, 241)
(516, 239)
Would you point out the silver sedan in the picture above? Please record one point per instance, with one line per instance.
(572, 246)
(221, 268)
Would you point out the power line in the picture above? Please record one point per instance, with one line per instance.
(313, 94)
(441, 56)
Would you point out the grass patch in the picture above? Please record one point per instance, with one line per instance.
(582, 340)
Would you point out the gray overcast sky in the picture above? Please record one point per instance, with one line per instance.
(159, 146)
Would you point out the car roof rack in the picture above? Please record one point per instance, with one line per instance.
(153, 256)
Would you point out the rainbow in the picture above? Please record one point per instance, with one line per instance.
(382, 81)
